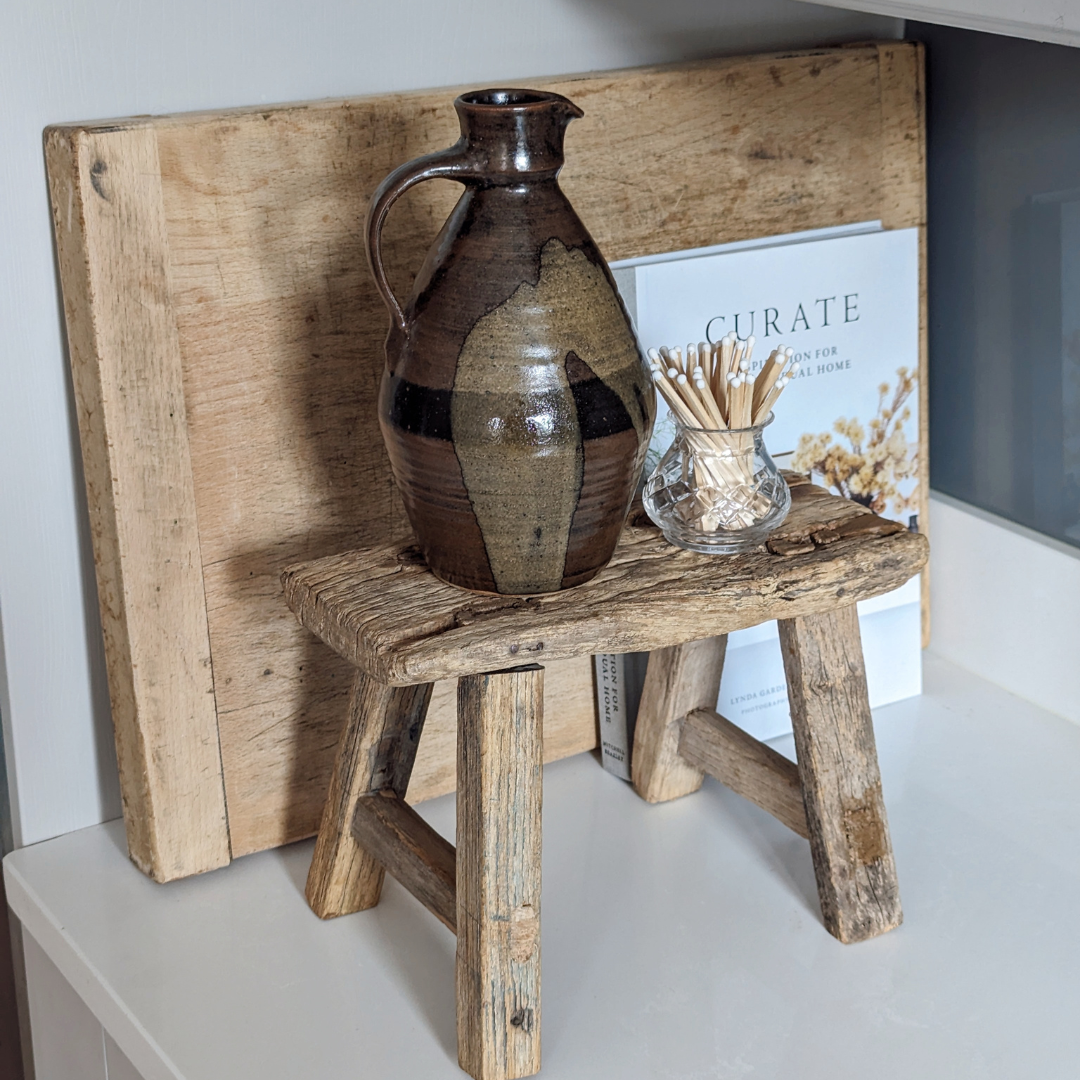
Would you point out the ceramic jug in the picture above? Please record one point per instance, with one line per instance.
(516, 404)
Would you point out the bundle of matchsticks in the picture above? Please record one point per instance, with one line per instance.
(716, 399)
(711, 386)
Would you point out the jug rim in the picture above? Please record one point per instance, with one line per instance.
(515, 98)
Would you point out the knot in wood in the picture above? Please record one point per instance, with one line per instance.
(522, 1018)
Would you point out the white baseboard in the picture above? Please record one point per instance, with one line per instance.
(1005, 604)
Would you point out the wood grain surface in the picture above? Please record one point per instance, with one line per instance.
(377, 750)
(385, 611)
(679, 678)
(113, 251)
(751, 768)
(404, 844)
(834, 742)
(500, 793)
(254, 272)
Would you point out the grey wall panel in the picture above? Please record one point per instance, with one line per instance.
(1004, 246)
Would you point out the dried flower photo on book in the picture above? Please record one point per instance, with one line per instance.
(879, 465)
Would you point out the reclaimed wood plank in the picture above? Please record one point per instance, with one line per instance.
(377, 751)
(113, 252)
(678, 680)
(752, 769)
(410, 850)
(280, 339)
(498, 873)
(841, 782)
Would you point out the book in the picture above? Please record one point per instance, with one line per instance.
(619, 679)
(847, 301)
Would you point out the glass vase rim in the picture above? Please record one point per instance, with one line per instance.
(754, 429)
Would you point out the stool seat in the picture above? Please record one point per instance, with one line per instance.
(383, 610)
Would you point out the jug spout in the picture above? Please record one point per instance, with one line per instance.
(511, 134)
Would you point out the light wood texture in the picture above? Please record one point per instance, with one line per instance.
(679, 679)
(903, 182)
(113, 250)
(378, 747)
(834, 741)
(498, 873)
(392, 832)
(258, 257)
(384, 611)
(752, 769)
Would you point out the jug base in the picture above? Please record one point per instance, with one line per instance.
(461, 583)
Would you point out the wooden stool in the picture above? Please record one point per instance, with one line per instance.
(403, 629)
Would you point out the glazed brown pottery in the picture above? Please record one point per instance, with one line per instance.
(515, 404)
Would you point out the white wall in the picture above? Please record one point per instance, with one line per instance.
(81, 60)
(1005, 604)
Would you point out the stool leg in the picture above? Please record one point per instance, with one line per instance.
(376, 751)
(677, 681)
(838, 766)
(499, 790)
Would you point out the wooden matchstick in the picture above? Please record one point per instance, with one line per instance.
(705, 355)
(727, 348)
(694, 403)
(674, 401)
(767, 376)
(769, 401)
(710, 404)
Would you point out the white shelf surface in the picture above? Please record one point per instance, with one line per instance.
(679, 941)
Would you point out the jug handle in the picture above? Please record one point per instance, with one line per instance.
(454, 163)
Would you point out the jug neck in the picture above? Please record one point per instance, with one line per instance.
(514, 135)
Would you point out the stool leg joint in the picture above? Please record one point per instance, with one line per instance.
(376, 751)
(403, 843)
(749, 767)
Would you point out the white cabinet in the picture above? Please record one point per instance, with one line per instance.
(69, 1041)
(681, 940)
